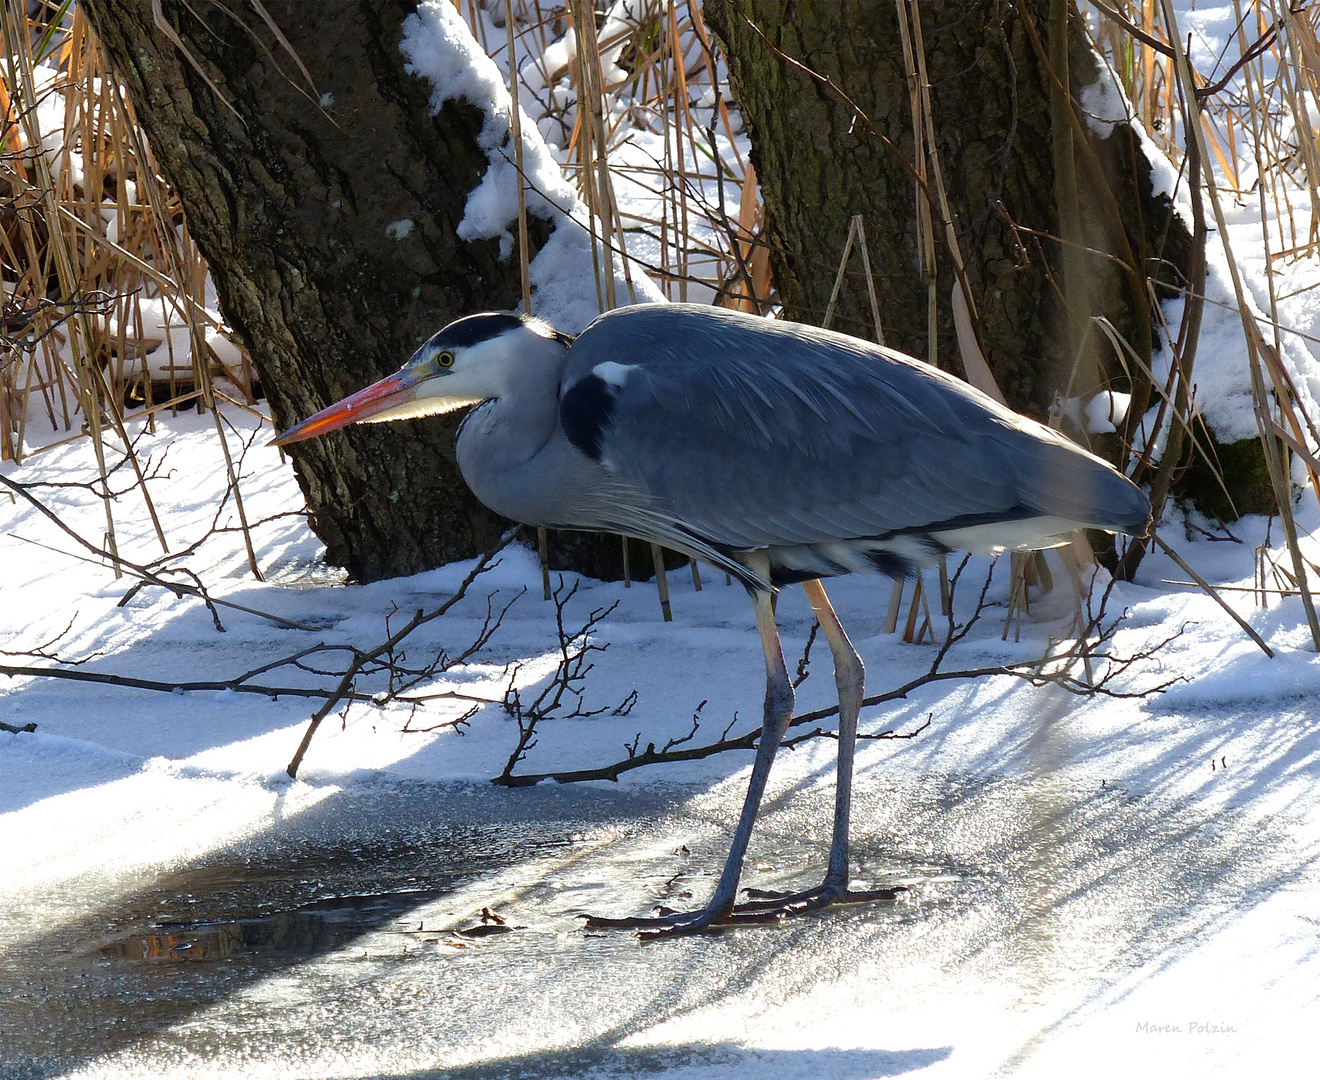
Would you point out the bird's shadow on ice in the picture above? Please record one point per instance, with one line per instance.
(697, 1061)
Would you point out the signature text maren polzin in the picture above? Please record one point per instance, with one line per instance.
(1192, 1027)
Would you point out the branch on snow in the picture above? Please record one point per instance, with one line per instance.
(575, 647)
(363, 661)
(1085, 665)
(146, 574)
(345, 664)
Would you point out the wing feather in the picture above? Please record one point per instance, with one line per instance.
(748, 433)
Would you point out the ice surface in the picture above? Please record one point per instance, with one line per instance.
(1118, 885)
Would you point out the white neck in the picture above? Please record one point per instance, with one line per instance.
(520, 388)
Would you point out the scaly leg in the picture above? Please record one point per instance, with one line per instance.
(849, 676)
(778, 712)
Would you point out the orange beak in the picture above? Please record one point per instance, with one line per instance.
(391, 392)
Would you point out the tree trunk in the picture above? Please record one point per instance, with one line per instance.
(825, 92)
(328, 219)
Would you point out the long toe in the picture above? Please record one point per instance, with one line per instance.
(779, 906)
(764, 908)
(666, 923)
(675, 923)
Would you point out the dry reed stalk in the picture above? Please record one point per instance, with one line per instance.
(895, 606)
(580, 143)
(856, 236)
(926, 266)
(1019, 597)
(614, 237)
(1275, 450)
(918, 623)
(662, 582)
(1303, 68)
(21, 78)
(752, 285)
(591, 147)
(936, 174)
(179, 269)
(910, 627)
(1147, 69)
(744, 278)
(524, 255)
(515, 120)
(91, 171)
(699, 28)
(1254, 75)
(595, 181)
(661, 83)
(870, 280)
(674, 146)
(1213, 593)
(827, 320)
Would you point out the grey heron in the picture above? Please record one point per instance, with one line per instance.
(776, 452)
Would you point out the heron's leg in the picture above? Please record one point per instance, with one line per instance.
(778, 712)
(849, 677)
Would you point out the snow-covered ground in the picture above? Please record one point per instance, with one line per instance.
(1097, 885)
(1083, 872)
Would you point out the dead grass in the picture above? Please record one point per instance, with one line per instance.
(89, 290)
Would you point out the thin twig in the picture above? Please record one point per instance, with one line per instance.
(345, 687)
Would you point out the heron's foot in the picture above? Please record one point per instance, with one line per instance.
(778, 905)
(670, 923)
(761, 908)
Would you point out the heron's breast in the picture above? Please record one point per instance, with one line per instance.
(538, 482)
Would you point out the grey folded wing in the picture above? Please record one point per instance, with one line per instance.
(750, 436)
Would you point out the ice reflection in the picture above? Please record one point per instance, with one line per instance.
(306, 930)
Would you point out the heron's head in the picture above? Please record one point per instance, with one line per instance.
(470, 360)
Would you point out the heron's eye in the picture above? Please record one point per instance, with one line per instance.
(445, 359)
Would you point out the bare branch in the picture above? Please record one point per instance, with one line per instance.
(146, 575)
(345, 688)
(1086, 666)
(15, 729)
(575, 647)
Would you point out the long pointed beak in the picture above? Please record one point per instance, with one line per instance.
(392, 391)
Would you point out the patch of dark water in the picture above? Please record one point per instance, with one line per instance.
(305, 930)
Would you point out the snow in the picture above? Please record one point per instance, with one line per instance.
(1223, 391)
(1108, 884)
(439, 46)
(1104, 104)
(1106, 410)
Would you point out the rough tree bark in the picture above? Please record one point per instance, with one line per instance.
(291, 194)
(826, 150)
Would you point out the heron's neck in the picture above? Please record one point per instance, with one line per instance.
(509, 428)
